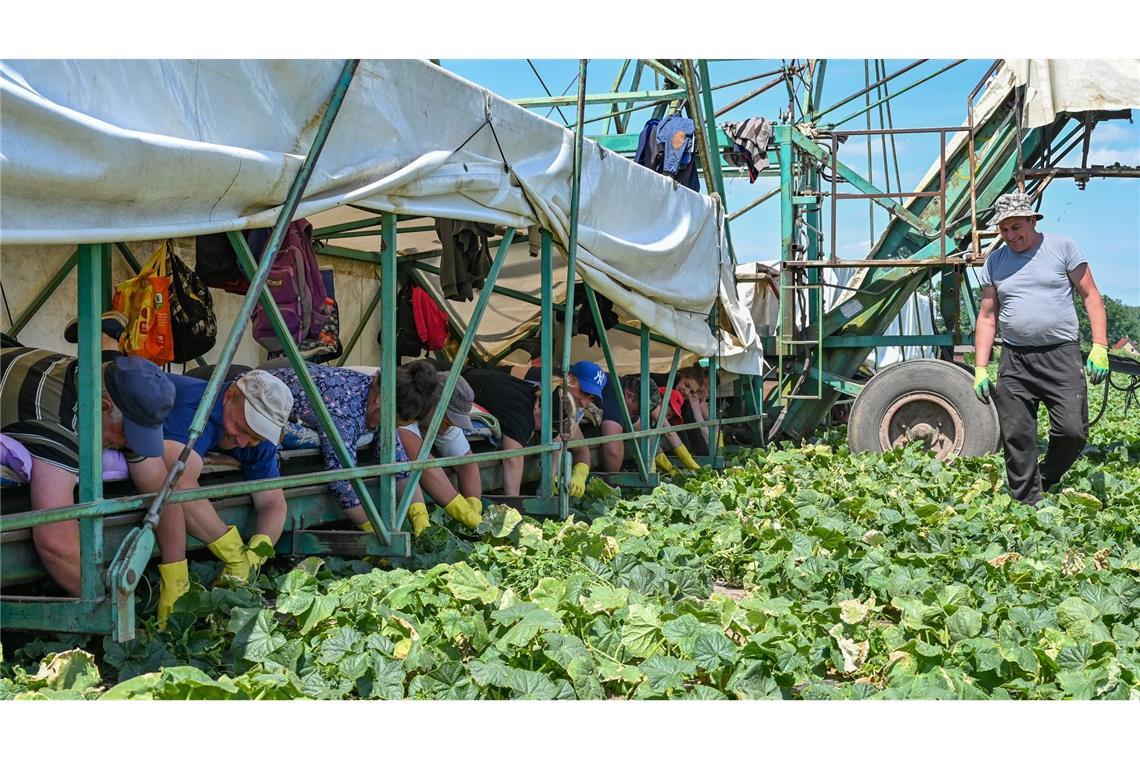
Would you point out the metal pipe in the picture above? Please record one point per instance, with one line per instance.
(870, 87)
(908, 88)
(90, 422)
(601, 98)
(257, 284)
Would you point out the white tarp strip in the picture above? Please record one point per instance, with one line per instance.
(98, 151)
(1073, 85)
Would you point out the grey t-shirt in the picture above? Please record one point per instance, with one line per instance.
(1034, 292)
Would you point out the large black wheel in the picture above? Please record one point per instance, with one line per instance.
(926, 400)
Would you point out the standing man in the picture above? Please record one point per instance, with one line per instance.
(1027, 297)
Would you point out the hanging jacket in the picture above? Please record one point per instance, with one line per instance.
(648, 149)
(466, 257)
(675, 135)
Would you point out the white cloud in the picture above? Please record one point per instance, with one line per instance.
(1113, 133)
(1109, 156)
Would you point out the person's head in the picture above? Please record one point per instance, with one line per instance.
(417, 390)
(137, 396)
(255, 408)
(1016, 221)
(558, 396)
(693, 381)
(586, 379)
(631, 387)
(458, 413)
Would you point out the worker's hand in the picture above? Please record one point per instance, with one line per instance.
(983, 385)
(664, 466)
(1097, 365)
(578, 480)
(685, 458)
(476, 505)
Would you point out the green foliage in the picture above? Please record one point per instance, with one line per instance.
(803, 573)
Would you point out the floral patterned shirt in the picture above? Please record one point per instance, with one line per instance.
(345, 393)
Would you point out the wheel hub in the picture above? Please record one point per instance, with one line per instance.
(923, 417)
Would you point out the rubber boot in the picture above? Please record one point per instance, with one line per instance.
(232, 552)
(256, 560)
(459, 510)
(664, 466)
(173, 582)
(476, 505)
(685, 458)
(418, 516)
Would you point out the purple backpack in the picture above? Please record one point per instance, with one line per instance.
(296, 286)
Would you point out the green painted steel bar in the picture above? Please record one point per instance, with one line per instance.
(229, 348)
(617, 88)
(603, 339)
(129, 256)
(785, 322)
(363, 323)
(640, 434)
(456, 367)
(643, 402)
(637, 71)
(571, 270)
(20, 322)
(893, 207)
(602, 98)
(388, 362)
(893, 95)
(663, 414)
(877, 341)
(546, 371)
(39, 614)
(665, 72)
(359, 224)
(341, 252)
(90, 419)
(305, 378)
(753, 204)
(707, 140)
(127, 504)
(107, 277)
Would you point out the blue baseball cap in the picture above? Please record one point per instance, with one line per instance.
(145, 395)
(590, 376)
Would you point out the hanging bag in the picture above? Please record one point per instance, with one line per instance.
(192, 319)
(145, 300)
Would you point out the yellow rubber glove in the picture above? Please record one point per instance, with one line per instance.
(366, 527)
(256, 560)
(173, 582)
(476, 505)
(578, 479)
(418, 516)
(685, 458)
(233, 554)
(1097, 365)
(663, 463)
(459, 510)
(983, 385)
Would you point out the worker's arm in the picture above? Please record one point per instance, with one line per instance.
(582, 453)
(986, 327)
(512, 468)
(271, 510)
(432, 479)
(1082, 280)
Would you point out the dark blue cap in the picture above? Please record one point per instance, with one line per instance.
(145, 395)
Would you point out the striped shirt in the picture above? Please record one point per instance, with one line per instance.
(39, 403)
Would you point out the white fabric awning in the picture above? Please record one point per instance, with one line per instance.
(105, 151)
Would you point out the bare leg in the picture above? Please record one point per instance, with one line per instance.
(613, 452)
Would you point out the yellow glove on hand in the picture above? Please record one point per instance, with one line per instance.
(578, 479)
(983, 385)
(476, 505)
(1097, 365)
(685, 458)
(418, 516)
(663, 463)
(459, 510)
(256, 559)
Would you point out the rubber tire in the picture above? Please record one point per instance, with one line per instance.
(949, 381)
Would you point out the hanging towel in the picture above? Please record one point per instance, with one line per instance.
(751, 138)
(466, 257)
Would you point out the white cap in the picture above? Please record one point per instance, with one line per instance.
(268, 403)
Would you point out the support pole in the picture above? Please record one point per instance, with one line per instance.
(90, 424)
(546, 352)
(388, 361)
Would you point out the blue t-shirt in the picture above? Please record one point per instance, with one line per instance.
(1034, 292)
(257, 462)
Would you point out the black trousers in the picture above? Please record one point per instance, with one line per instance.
(1027, 377)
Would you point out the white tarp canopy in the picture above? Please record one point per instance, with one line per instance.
(105, 151)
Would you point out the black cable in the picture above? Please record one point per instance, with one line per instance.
(548, 92)
(7, 309)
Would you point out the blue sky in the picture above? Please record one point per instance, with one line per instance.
(1104, 219)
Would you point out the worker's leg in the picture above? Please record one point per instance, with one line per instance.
(148, 477)
(613, 452)
(1066, 398)
(271, 510)
(57, 543)
(1016, 405)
